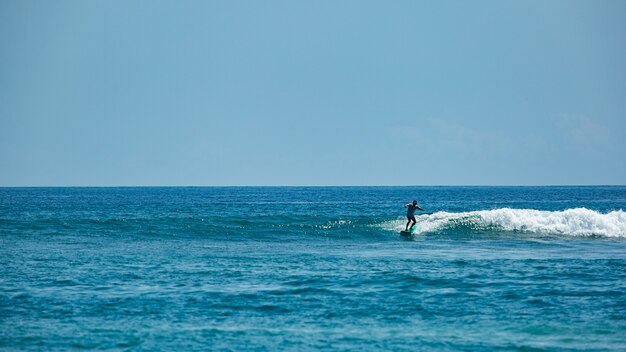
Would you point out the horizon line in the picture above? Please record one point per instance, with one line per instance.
(303, 186)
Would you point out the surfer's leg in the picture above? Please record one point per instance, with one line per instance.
(407, 224)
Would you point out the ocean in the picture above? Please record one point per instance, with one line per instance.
(313, 268)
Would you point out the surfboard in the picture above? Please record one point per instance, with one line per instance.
(407, 233)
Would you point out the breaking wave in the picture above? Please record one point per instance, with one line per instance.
(573, 222)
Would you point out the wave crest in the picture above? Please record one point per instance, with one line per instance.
(573, 222)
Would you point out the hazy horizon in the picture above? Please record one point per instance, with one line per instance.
(308, 186)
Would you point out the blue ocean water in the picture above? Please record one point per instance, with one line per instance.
(312, 268)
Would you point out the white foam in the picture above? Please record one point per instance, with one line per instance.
(573, 222)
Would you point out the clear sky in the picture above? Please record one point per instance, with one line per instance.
(312, 92)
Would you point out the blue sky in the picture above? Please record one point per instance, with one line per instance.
(312, 92)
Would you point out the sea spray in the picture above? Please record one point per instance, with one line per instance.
(571, 222)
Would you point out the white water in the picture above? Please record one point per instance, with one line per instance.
(573, 222)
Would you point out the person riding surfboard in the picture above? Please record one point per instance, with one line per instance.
(410, 214)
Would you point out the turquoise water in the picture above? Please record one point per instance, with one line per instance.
(288, 268)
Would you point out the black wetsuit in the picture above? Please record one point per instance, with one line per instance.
(410, 212)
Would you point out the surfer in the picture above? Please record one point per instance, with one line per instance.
(410, 214)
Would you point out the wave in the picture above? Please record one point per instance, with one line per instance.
(572, 222)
